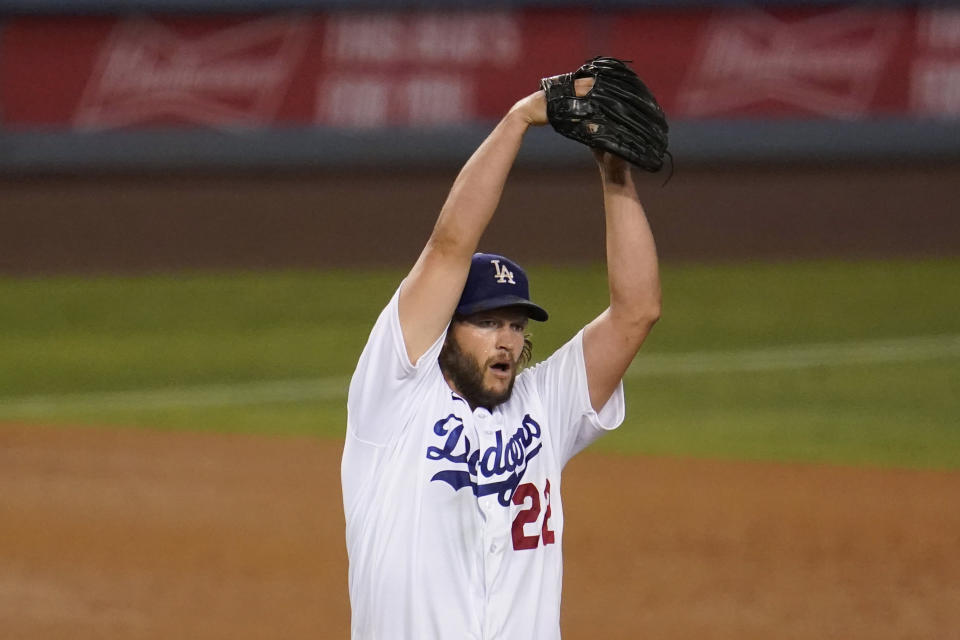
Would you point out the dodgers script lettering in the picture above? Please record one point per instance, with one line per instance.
(510, 456)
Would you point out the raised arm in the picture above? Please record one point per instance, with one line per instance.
(611, 341)
(430, 292)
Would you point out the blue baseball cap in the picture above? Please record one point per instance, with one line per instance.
(495, 282)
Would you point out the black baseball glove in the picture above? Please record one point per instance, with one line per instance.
(619, 114)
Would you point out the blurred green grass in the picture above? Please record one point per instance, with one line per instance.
(69, 344)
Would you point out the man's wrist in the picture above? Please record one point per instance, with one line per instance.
(516, 122)
(616, 177)
(517, 116)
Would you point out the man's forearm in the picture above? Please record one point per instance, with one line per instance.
(632, 266)
(476, 192)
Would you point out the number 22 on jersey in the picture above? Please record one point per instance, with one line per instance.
(528, 494)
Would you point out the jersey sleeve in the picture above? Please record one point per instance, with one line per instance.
(385, 383)
(561, 381)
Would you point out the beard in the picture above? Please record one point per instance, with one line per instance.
(466, 374)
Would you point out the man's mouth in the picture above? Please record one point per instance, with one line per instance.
(501, 369)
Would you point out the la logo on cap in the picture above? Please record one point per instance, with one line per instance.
(502, 274)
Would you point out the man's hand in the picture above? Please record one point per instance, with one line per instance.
(533, 108)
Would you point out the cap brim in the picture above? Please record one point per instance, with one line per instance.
(533, 311)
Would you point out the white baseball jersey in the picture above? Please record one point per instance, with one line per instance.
(454, 517)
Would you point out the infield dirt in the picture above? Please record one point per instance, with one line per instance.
(143, 534)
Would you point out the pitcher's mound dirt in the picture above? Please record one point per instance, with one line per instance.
(132, 534)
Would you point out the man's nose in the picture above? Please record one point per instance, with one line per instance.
(508, 339)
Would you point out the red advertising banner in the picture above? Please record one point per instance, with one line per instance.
(439, 68)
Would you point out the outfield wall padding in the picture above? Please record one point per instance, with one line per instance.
(134, 223)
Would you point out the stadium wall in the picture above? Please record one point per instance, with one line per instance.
(146, 86)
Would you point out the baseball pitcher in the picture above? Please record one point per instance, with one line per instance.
(452, 464)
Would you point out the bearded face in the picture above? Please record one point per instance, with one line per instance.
(482, 354)
(467, 376)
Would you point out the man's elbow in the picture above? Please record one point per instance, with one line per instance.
(638, 322)
(648, 316)
(647, 310)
